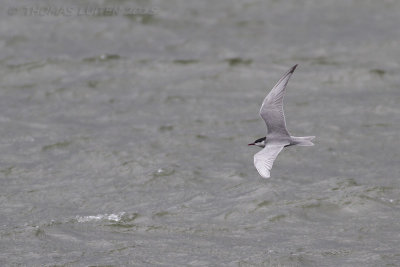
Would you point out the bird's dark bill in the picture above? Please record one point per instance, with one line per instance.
(252, 144)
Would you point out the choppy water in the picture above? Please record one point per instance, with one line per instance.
(123, 139)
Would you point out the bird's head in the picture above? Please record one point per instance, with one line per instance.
(259, 142)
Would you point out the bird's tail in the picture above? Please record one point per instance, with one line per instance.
(303, 141)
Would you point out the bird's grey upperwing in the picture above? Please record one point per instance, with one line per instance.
(264, 159)
(272, 108)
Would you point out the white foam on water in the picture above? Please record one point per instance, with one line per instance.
(110, 217)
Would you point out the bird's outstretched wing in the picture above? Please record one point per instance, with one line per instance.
(264, 159)
(272, 108)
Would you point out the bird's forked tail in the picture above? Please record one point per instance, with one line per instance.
(303, 141)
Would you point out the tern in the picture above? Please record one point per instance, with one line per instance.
(278, 136)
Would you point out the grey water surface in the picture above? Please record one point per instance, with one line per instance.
(123, 137)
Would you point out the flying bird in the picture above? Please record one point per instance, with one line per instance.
(278, 136)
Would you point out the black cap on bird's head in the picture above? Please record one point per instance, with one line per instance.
(259, 142)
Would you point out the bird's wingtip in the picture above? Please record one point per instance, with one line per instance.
(265, 174)
(293, 68)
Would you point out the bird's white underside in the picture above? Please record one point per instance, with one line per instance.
(264, 159)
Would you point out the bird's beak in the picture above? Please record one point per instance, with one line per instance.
(252, 144)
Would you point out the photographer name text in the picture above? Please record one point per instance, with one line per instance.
(58, 11)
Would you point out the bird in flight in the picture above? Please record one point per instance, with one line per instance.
(278, 136)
